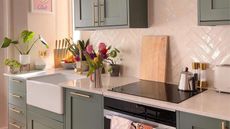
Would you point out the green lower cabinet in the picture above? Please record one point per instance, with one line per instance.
(192, 121)
(84, 110)
(42, 119)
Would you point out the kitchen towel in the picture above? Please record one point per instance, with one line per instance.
(120, 123)
(143, 126)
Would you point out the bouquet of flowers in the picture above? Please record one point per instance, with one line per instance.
(95, 58)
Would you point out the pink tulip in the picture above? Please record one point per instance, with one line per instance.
(89, 49)
(102, 46)
(77, 58)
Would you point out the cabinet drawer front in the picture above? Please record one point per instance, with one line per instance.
(17, 99)
(13, 124)
(37, 121)
(82, 107)
(192, 121)
(17, 113)
(86, 96)
(17, 85)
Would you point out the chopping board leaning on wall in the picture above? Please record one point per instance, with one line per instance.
(154, 52)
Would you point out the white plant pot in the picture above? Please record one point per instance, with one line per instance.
(24, 59)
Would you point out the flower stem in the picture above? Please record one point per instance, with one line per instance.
(18, 49)
(32, 46)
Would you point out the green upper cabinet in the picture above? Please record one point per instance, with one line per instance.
(83, 110)
(113, 13)
(104, 14)
(214, 12)
(85, 13)
(192, 121)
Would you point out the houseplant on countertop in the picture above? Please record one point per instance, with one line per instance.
(13, 64)
(77, 50)
(24, 44)
(114, 69)
(95, 61)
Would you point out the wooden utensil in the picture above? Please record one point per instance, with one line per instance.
(154, 58)
(63, 49)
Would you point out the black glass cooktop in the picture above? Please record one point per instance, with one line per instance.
(156, 90)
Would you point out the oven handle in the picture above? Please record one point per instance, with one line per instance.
(108, 115)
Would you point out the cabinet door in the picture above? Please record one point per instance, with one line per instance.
(84, 110)
(191, 121)
(214, 10)
(113, 12)
(36, 121)
(86, 13)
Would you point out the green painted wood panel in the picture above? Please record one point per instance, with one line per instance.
(85, 13)
(18, 85)
(84, 112)
(17, 103)
(14, 124)
(214, 11)
(17, 113)
(17, 99)
(191, 121)
(37, 121)
(113, 12)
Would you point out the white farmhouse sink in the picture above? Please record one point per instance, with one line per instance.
(44, 91)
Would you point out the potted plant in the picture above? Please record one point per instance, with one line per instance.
(95, 61)
(114, 69)
(13, 64)
(77, 50)
(24, 44)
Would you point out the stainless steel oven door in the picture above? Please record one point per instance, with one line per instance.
(108, 115)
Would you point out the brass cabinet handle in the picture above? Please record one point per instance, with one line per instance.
(15, 125)
(78, 94)
(102, 11)
(16, 96)
(95, 18)
(17, 81)
(15, 110)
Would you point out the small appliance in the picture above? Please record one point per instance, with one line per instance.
(221, 76)
(187, 82)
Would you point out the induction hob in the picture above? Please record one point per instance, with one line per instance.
(156, 90)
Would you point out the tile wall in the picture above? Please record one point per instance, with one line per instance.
(188, 41)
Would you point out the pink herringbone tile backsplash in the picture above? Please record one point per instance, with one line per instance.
(188, 41)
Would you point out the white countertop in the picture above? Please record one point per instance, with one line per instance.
(209, 103)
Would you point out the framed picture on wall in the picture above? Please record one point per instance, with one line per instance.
(42, 6)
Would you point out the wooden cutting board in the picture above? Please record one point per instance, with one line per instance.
(154, 58)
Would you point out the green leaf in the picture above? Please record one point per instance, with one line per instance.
(113, 53)
(87, 43)
(6, 42)
(43, 41)
(109, 47)
(116, 50)
(82, 44)
(27, 35)
(15, 42)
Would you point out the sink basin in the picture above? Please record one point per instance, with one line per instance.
(44, 91)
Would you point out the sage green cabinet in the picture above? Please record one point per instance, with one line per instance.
(41, 119)
(104, 14)
(17, 103)
(214, 12)
(83, 110)
(113, 12)
(84, 13)
(192, 121)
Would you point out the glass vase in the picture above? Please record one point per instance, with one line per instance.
(96, 79)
